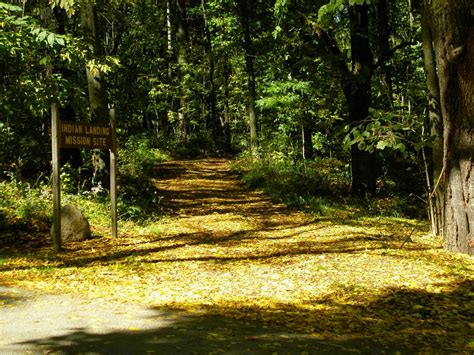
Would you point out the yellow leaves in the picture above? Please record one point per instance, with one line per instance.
(233, 253)
(215, 336)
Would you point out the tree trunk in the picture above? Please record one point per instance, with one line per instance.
(358, 95)
(452, 26)
(213, 122)
(164, 118)
(436, 127)
(95, 78)
(181, 41)
(97, 92)
(307, 130)
(383, 28)
(251, 91)
(226, 120)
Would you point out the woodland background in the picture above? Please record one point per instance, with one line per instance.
(320, 100)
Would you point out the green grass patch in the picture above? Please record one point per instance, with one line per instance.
(320, 187)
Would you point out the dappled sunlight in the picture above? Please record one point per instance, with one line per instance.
(231, 252)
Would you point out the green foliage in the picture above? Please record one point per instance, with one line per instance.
(309, 186)
(298, 80)
(138, 156)
(388, 130)
(138, 197)
(320, 187)
(23, 205)
(68, 5)
(22, 32)
(328, 10)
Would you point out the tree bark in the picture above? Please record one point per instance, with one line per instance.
(383, 28)
(226, 120)
(181, 41)
(213, 121)
(95, 78)
(167, 117)
(98, 99)
(251, 87)
(452, 26)
(307, 130)
(358, 94)
(436, 126)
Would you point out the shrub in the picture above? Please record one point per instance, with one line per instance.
(138, 196)
(298, 184)
(24, 205)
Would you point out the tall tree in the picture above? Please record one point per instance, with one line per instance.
(358, 92)
(452, 25)
(357, 87)
(383, 39)
(436, 125)
(95, 78)
(209, 54)
(251, 87)
(181, 49)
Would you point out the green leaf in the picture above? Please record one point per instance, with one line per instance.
(60, 41)
(42, 36)
(8, 7)
(45, 60)
(382, 145)
(400, 146)
(51, 39)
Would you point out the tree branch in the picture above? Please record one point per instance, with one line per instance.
(329, 43)
(386, 57)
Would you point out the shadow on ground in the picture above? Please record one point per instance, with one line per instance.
(398, 322)
(185, 334)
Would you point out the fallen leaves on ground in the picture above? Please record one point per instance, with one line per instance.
(228, 251)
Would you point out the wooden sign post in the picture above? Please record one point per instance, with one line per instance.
(113, 173)
(55, 135)
(68, 134)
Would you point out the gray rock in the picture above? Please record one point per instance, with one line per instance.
(74, 225)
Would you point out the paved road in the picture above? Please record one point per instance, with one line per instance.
(62, 324)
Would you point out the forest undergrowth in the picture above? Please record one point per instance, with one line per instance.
(342, 276)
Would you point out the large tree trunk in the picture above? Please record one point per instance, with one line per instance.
(98, 100)
(358, 95)
(453, 38)
(251, 91)
(95, 78)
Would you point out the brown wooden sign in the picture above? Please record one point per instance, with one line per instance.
(65, 134)
(86, 135)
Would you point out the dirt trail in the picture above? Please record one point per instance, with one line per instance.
(203, 187)
(205, 199)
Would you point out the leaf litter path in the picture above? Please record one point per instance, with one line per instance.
(249, 275)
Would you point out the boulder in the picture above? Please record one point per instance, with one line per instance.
(74, 225)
